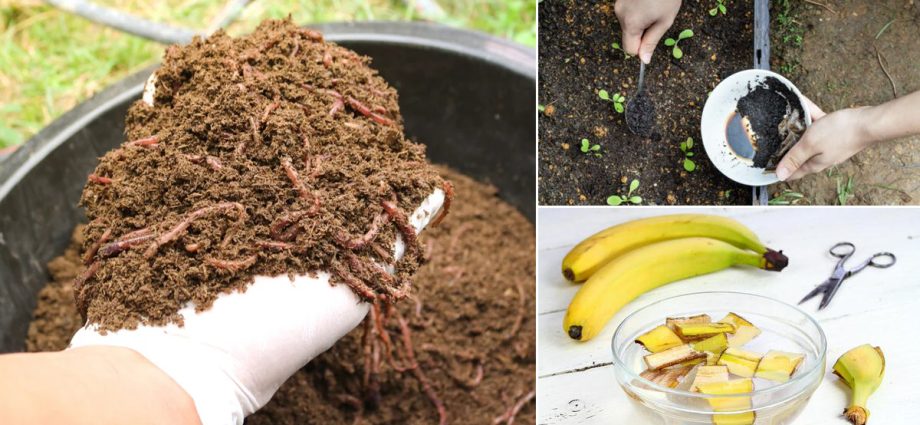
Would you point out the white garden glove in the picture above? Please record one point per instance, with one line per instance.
(232, 357)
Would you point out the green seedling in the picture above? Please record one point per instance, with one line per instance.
(788, 197)
(720, 7)
(670, 42)
(541, 108)
(685, 147)
(617, 99)
(844, 190)
(616, 46)
(589, 149)
(628, 198)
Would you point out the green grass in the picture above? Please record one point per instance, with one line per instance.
(50, 60)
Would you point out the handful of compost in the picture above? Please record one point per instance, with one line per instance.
(774, 120)
(256, 215)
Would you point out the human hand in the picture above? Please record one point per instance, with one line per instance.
(231, 358)
(830, 140)
(644, 22)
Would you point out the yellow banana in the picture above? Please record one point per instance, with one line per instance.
(862, 368)
(638, 271)
(595, 251)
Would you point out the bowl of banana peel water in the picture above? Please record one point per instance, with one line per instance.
(749, 122)
(719, 358)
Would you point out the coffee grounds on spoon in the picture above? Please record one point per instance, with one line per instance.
(275, 153)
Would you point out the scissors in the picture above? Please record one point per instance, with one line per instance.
(843, 251)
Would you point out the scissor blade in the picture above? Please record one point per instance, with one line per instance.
(814, 292)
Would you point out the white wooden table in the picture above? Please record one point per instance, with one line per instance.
(575, 381)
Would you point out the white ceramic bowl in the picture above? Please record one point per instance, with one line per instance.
(719, 108)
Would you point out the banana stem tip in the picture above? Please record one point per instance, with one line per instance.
(776, 260)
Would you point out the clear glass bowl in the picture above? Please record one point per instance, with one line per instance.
(785, 328)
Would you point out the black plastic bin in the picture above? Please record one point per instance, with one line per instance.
(469, 97)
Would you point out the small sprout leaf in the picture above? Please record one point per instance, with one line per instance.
(683, 146)
(685, 34)
(670, 42)
(541, 108)
(677, 53)
(618, 107)
(689, 143)
(585, 145)
(604, 95)
(614, 200)
(596, 148)
(616, 45)
(633, 185)
(636, 199)
(689, 165)
(713, 12)
(722, 8)
(689, 153)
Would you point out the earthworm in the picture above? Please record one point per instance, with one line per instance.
(362, 290)
(213, 162)
(233, 265)
(380, 109)
(417, 370)
(274, 245)
(364, 110)
(337, 106)
(98, 179)
(364, 267)
(359, 242)
(378, 318)
(312, 35)
(91, 252)
(174, 233)
(268, 110)
(508, 417)
(295, 49)
(123, 244)
(470, 383)
(147, 142)
(295, 179)
(382, 254)
(78, 283)
(327, 59)
(402, 223)
(455, 238)
(445, 208)
(192, 247)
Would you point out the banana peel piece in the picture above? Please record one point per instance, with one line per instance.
(659, 339)
(668, 377)
(672, 322)
(862, 369)
(740, 362)
(698, 331)
(778, 366)
(672, 356)
(709, 375)
(728, 403)
(745, 331)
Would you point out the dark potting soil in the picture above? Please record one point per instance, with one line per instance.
(577, 60)
(641, 118)
(273, 153)
(472, 309)
(765, 106)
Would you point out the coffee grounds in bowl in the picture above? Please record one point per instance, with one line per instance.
(472, 308)
(268, 154)
(766, 106)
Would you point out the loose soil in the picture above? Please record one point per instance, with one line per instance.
(472, 312)
(273, 153)
(577, 60)
(837, 74)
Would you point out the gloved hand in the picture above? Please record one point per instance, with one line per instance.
(232, 358)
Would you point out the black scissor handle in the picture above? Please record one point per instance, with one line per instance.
(843, 249)
(888, 260)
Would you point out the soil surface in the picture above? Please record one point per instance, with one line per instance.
(577, 60)
(273, 153)
(472, 309)
(838, 66)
